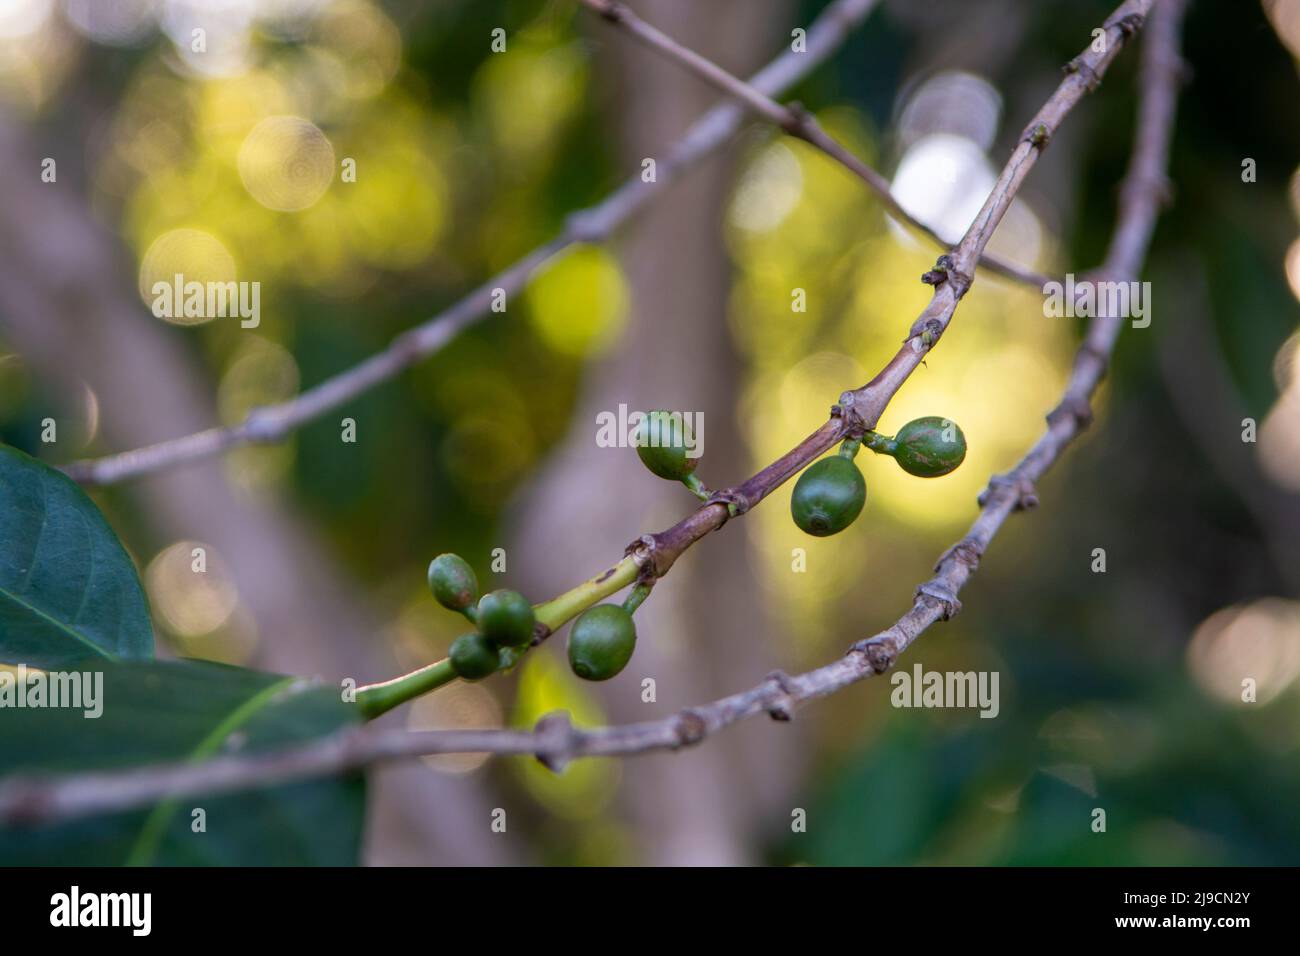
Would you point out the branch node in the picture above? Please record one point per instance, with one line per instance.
(645, 551)
(1038, 136)
(556, 739)
(1075, 407)
(1129, 24)
(690, 728)
(965, 551)
(540, 633)
(939, 592)
(880, 651)
(798, 121)
(1084, 68)
(611, 10)
(1026, 495)
(945, 270)
(737, 503)
(940, 271)
(847, 412)
(781, 705)
(928, 331)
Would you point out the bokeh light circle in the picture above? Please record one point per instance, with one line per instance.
(286, 163)
(193, 254)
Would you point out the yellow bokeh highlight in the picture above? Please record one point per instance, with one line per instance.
(261, 372)
(286, 163)
(578, 301)
(226, 110)
(244, 157)
(193, 595)
(527, 96)
(364, 44)
(193, 254)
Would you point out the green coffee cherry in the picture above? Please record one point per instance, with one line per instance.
(601, 642)
(828, 496)
(452, 582)
(505, 618)
(661, 444)
(929, 447)
(473, 656)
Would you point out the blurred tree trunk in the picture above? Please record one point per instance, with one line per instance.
(68, 304)
(704, 631)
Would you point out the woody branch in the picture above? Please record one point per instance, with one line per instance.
(555, 740)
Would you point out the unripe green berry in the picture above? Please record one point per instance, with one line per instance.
(828, 496)
(661, 444)
(473, 656)
(601, 642)
(505, 618)
(452, 582)
(929, 447)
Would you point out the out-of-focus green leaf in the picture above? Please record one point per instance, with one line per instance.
(169, 711)
(68, 590)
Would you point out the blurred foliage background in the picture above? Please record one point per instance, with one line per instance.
(1119, 690)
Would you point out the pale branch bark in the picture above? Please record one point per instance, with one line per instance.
(796, 121)
(35, 800)
(273, 423)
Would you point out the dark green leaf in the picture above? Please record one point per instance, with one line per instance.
(68, 590)
(182, 710)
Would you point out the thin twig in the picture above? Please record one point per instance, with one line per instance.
(797, 122)
(272, 423)
(35, 800)
(859, 410)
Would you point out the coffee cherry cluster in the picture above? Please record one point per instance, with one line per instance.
(829, 495)
(503, 619)
(601, 641)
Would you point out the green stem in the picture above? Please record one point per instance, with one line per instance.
(558, 610)
(376, 699)
(636, 597)
(697, 488)
(849, 447)
(880, 444)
